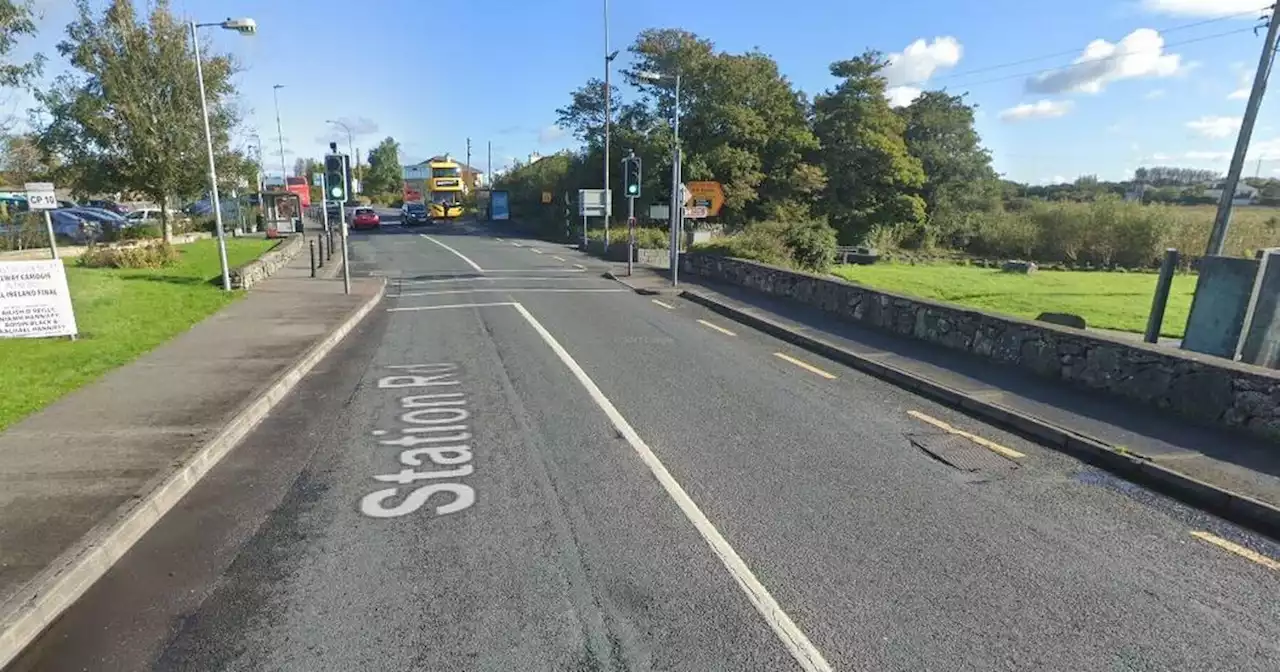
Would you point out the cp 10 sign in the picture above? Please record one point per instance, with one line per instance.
(40, 195)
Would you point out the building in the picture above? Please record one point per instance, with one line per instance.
(1245, 194)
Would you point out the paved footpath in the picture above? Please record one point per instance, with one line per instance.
(82, 478)
(515, 464)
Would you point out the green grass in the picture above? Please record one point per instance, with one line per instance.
(121, 314)
(1119, 301)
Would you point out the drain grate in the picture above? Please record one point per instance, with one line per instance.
(961, 453)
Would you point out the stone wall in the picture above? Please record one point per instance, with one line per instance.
(1200, 387)
(618, 252)
(250, 274)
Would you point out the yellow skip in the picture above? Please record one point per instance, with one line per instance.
(989, 445)
(804, 365)
(1237, 549)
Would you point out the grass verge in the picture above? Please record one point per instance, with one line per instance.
(1119, 301)
(121, 314)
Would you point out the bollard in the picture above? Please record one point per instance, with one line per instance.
(1161, 299)
(313, 258)
(320, 239)
(330, 242)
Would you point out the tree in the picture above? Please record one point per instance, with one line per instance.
(130, 118)
(16, 21)
(871, 178)
(23, 161)
(584, 115)
(940, 133)
(384, 175)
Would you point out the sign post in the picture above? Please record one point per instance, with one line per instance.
(317, 179)
(591, 203)
(41, 196)
(35, 301)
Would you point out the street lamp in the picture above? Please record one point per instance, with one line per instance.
(677, 204)
(284, 170)
(608, 119)
(244, 27)
(351, 151)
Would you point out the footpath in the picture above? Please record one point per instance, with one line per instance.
(1231, 475)
(82, 480)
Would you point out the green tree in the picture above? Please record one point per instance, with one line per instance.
(384, 175)
(584, 115)
(128, 118)
(871, 178)
(17, 21)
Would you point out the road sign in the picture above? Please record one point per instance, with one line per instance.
(40, 196)
(685, 194)
(696, 212)
(546, 197)
(709, 195)
(317, 179)
(660, 213)
(592, 203)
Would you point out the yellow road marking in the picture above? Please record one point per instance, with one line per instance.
(717, 327)
(989, 445)
(1237, 549)
(804, 365)
(664, 305)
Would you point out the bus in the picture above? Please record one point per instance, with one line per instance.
(445, 189)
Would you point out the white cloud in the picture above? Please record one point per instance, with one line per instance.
(1195, 155)
(1246, 84)
(1042, 109)
(1138, 54)
(901, 96)
(1204, 8)
(1215, 127)
(550, 134)
(1161, 156)
(920, 60)
(1155, 94)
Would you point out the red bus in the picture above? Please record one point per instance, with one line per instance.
(299, 186)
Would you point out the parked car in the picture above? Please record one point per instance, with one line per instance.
(144, 216)
(365, 218)
(105, 223)
(413, 213)
(68, 227)
(67, 204)
(108, 205)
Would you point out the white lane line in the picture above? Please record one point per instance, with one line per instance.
(580, 266)
(792, 637)
(536, 250)
(535, 270)
(717, 327)
(451, 305)
(558, 258)
(500, 240)
(517, 244)
(487, 278)
(517, 289)
(459, 254)
(664, 305)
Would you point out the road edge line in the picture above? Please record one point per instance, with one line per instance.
(1235, 507)
(57, 587)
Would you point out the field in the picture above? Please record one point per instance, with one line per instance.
(121, 314)
(1119, 301)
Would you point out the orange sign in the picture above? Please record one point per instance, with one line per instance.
(546, 197)
(708, 195)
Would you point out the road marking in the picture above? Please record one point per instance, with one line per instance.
(989, 445)
(1233, 547)
(664, 305)
(477, 290)
(536, 270)
(487, 278)
(558, 258)
(517, 244)
(580, 266)
(717, 327)
(536, 250)
(452, 305)
(804, 365)
(459, 254)
(500, 240)
(792, 637)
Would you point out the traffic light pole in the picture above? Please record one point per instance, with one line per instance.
(342, 219)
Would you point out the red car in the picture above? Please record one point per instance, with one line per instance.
(365, 218)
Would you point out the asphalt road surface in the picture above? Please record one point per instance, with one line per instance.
(516, 465)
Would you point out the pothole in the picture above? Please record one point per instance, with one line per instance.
(962, 454)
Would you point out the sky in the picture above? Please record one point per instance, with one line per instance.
(1062, 89)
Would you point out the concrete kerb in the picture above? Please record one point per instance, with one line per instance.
(1235, 507)
(58, 586)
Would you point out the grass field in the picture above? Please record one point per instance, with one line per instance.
(121, 314)
(1118, 301)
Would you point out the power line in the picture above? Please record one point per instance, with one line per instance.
(1096, 61)
(1073, 52)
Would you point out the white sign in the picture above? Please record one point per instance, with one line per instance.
(696, 212)
(685, 194)
(34, 300)
(660, 213)
(593, 203)
(40, 195)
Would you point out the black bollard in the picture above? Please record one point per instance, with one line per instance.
(313, 258)
(320, 239)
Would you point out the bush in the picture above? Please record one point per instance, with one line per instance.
(812, 245)
(646, 237)
(756, 243)
(155, 255)
(807, 245)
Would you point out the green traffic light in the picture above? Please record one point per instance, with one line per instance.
(336, 192)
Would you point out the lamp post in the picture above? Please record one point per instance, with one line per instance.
(284, 169)
(677, 204)
(608, 120)
(244, 27)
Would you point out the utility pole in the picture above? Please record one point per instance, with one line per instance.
(608, 119)
(359, 173)
(1218, 239)
(473, 179)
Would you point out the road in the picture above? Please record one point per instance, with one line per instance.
(516, 465)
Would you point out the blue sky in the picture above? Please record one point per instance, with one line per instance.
(1163, 98)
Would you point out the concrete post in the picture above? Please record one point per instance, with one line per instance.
(1161, 299)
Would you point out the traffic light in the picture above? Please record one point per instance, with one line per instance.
(335, 177)
(631, 176)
